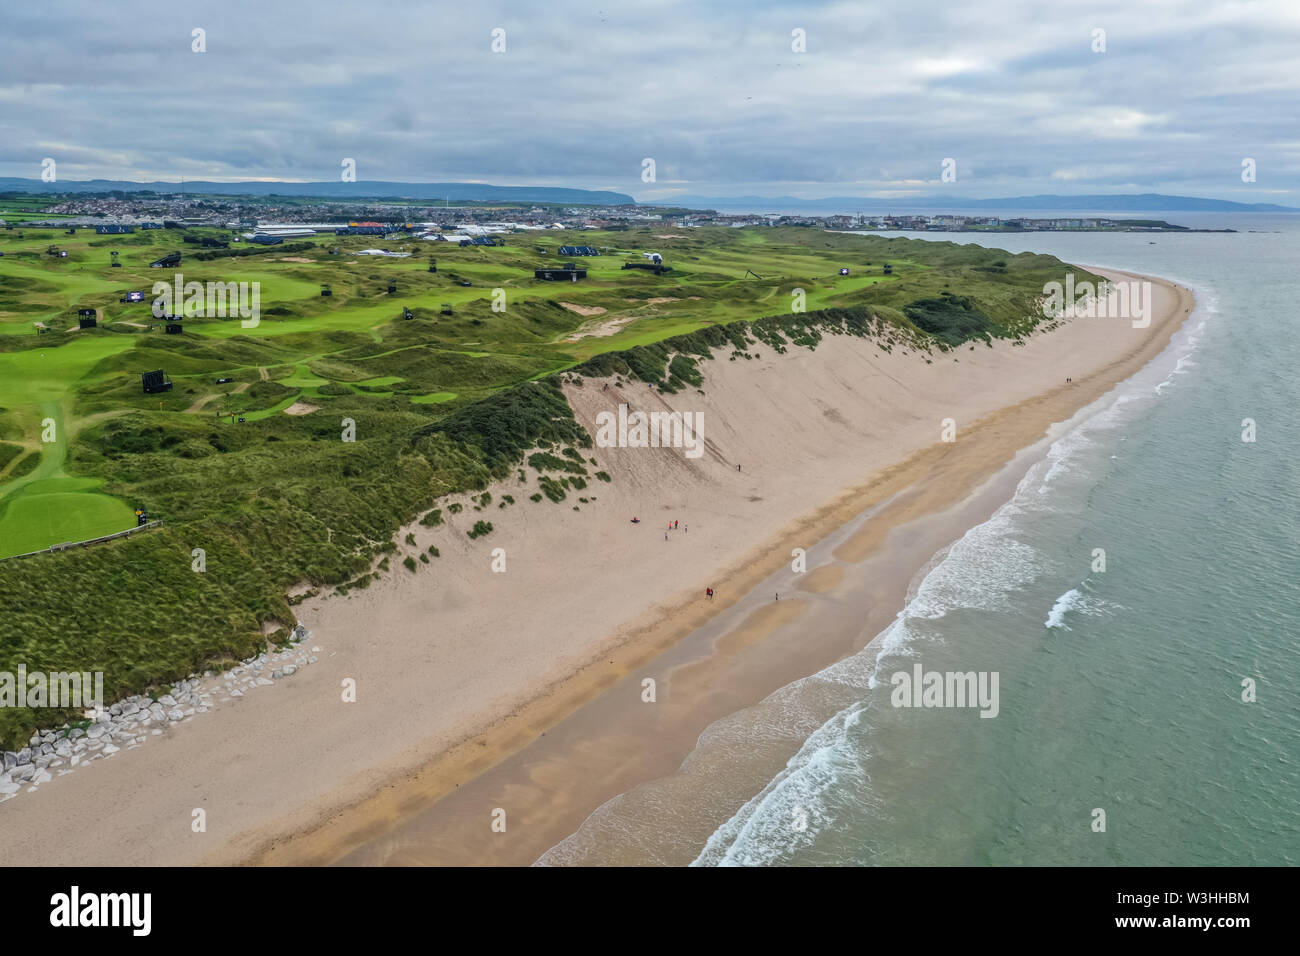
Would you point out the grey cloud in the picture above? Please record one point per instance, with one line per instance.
(712, 91)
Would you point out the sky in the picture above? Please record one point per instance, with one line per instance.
(1021, 97)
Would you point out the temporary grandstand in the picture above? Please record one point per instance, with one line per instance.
(566, 272)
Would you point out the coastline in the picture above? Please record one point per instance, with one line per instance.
(452, 682)
(903, 495)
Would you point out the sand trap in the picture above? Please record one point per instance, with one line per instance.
(659, 299)
(601, 330)
(584, 309)
(294, 259)
(301, 408)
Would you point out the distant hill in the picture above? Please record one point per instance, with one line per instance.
(339, 190)
(1125, 202)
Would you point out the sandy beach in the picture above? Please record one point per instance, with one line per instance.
(460, 668)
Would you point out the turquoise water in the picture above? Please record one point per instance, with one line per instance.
(1120, 690)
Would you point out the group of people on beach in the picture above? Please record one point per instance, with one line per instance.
(673, 526)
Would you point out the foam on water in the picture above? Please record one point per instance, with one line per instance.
(1065, 603)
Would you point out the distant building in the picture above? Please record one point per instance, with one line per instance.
(166, 262)
(363, 229)
(286, 232)
(265, 239)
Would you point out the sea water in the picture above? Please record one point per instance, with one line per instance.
(1136, 597)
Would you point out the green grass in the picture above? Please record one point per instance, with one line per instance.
(55, 510)
(442, 404)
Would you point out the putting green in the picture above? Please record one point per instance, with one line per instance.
(54, 510)
(381, 382)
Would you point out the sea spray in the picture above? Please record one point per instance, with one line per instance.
(1066, 602)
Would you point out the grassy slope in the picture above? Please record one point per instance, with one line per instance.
(280, 499)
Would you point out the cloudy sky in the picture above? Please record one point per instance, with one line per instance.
(1013, 92)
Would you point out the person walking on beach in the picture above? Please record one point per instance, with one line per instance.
(709, 592)
(777, 597)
